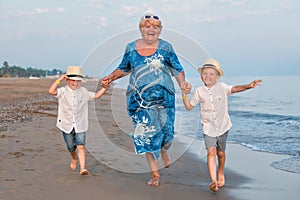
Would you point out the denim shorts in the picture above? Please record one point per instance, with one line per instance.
(73, 139)
(218, 142)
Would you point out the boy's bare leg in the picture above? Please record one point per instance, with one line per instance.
(165, 158)
(221, 166)
(154, 180)
(81, 158)
(211, 165)
(74, 160)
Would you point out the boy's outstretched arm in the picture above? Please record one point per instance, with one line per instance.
(100, 93)
(241, 88)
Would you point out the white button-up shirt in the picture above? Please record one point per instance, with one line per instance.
(214, 108)
(73, 109)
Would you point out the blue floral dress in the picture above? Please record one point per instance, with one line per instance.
(151, 96)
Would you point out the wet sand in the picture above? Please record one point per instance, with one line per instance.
(34, 162)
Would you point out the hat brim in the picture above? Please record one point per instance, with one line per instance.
(75, 77)
(218, 70)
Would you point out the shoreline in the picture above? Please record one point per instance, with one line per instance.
(29, 166)
(35, 164)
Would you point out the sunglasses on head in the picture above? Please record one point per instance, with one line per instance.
(151, 17)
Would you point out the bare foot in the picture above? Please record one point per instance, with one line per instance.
(73, 164)
(165, 158)
(84, 172)
(154, 181)
(221, 182)
(213, 187)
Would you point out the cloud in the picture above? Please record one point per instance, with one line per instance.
(12, 35)
(11, 17)
(40, 10)
(177, 9)
(168, 1)
(224, 11)
(25, 13)
(234, 2)
(99, 20)
(60, 10)
(130, 10)
(99, 4)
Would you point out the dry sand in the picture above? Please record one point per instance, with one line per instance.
(34, 163)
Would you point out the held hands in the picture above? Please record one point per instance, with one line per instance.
(185, 87)
(105, 81)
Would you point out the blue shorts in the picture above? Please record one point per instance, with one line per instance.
(218, 142)
(73, 139)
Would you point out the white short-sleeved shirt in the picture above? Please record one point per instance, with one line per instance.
(73, 109)
(214, 108)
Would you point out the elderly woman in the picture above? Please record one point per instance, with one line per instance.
(151, 62)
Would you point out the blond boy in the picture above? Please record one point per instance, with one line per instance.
(213, 100)
(72, 117)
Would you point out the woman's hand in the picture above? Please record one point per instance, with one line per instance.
(105, 81)
(116, 74)
(185, 87)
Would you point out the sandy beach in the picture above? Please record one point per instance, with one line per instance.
(34, 162)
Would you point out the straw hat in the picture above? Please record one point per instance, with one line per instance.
(212, 64)
(74, 73)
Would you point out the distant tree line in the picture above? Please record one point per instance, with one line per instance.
(16, 71)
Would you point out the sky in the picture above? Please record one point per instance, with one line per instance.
(248, 37)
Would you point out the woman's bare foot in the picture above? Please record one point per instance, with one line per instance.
(154, 181)
(221, 182)
(213, 187)
(73, 164)
(165, 158)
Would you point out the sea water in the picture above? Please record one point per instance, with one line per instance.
(266, 118)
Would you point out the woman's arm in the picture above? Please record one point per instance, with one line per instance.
(116, 74)
(184, 86)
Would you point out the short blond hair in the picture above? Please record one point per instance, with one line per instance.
(152, 21)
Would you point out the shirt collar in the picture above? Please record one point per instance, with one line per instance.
(70, 90)
(211, 88)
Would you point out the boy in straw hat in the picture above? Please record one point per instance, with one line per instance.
(215, 120)
(72, 117)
